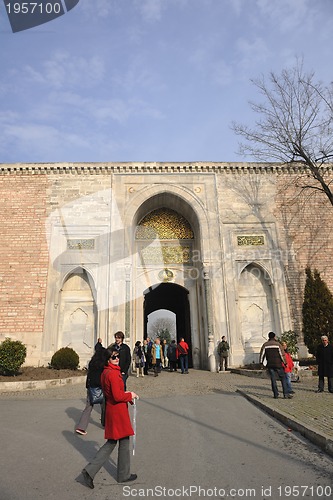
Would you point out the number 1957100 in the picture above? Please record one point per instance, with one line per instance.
(34, 7)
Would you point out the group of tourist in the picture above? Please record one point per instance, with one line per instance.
(157, 356)
(108, 371)
(280, 365)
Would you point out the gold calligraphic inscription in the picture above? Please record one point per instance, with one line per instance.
(251, 240)
(166, 255)
(164, 224)
(81, 244)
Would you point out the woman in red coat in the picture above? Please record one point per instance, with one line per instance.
(117, 423)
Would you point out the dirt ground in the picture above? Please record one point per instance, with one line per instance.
(42, 373)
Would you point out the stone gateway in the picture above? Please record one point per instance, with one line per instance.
(88, 249)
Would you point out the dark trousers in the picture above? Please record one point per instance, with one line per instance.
(223, 361)
(321, 383)
(157, 367)
(173, 365)
(278, 373)
(103, 454)
(183, 363)
(125, 377)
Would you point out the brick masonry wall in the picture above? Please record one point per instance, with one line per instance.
(23, 256)
(305, 217)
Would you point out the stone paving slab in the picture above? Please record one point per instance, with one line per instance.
(309, 413)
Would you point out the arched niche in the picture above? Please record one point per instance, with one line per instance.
(78, 314)
(256, 309)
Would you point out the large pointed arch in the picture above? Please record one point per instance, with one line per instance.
(174, 298)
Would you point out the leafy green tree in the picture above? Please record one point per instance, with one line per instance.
(317, 310)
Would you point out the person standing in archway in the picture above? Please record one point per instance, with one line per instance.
(223, 352)
(157, 356)
(182, 352)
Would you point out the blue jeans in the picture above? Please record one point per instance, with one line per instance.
(183, 362)
(278, 372)
(288, 381)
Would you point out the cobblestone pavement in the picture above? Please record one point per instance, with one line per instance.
(309, 413)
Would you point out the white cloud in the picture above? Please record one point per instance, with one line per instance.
(65, 70)
(287, 15)
(98, 8)
(151, 10)
(251, 52)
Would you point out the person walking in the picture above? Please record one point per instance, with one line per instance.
(165, 353)
(95, 370)
(182, 353)
(324, 356)
(99, 345)
(157, 356)
(273, 353)
(288, 367)
(124, 355)
(139, 359)
(118, 426)
(149, 348)
(172, 356)
(223, 352)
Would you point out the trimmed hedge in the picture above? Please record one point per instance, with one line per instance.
(12, 356)
(65, 359)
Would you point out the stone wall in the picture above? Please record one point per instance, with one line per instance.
(23, 258)
(265, 199)
(305, 218)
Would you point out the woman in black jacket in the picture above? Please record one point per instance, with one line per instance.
(95, 369)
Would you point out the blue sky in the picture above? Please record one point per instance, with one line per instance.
(149, 80)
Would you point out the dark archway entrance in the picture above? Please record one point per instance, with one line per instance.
(174, 298)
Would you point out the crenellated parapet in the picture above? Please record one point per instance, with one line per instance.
(103, 168)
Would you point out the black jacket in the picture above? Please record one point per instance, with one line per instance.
(124, 358)
(324, 356)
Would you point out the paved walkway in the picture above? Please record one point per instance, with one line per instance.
(309, 413)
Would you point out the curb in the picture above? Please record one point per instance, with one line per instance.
(39, 384)
(316, 437)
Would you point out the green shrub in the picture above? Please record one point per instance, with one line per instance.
(65, 359)
(12, 356)
(290, 338)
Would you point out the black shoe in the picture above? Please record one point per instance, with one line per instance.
(88, 479)
(132, 477)
(276, 397)
(288, 396)
(292, 392)
(320, 390)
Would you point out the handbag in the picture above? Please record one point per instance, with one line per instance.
(96, 395)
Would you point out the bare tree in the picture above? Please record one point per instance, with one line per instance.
(162, 325)
(295, 124)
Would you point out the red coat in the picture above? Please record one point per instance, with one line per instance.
(289, 365)
(117, 420)
(184, 345)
